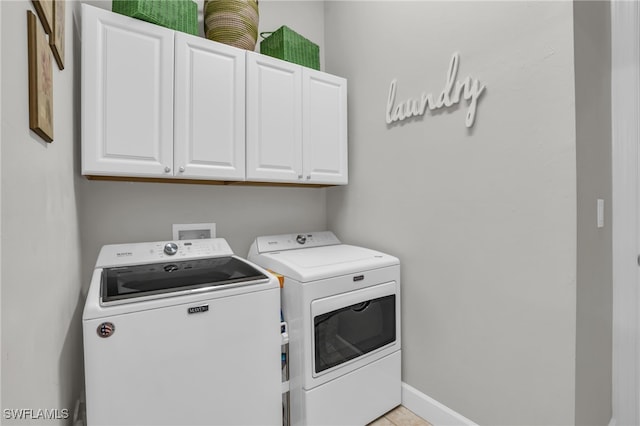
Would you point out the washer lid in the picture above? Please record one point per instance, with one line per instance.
(124, 283)
(315, 263)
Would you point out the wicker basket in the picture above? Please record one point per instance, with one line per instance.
(180, 15)
(286, 44)
(232, 22)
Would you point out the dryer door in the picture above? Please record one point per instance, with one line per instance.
(351, 325)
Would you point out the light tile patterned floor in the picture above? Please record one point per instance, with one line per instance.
(400, 416)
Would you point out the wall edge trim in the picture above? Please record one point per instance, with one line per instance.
(431, 410)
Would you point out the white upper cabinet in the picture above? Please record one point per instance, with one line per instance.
(132, 125)
(296, 123)
(127, 96)
(324, 124)
(274, 119)
(209, 110)
(158, 103)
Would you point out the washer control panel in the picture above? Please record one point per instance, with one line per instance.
(153, 252)
(272, 243)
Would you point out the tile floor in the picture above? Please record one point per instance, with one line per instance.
(400, 416)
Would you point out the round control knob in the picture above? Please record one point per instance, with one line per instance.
(167, 169)
(301, 239)
(171, 248)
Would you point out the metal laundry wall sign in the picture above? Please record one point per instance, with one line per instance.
(454, 91)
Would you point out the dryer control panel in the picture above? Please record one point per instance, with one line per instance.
(283, 242)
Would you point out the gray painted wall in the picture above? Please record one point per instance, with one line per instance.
(592, 32)
(41, 282)
(483, 219)
(116, 212)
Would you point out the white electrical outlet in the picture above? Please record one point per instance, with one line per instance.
(193, 231)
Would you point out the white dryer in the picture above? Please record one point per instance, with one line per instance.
(342, 305)
(181, 333)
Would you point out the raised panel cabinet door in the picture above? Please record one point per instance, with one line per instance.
(324, 126)
(209, 110)
(127, 96)
(274, 119)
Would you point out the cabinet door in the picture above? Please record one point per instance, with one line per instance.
(209, 109)
(127, 96)
(274, 119)
(324, 126)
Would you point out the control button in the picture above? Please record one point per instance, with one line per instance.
(301, 239)
(171, 248)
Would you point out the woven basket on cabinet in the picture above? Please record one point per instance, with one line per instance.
(232, 22)
(180, 15)
(286, 44)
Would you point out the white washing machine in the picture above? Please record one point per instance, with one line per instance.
(181, 333)
(342, 306)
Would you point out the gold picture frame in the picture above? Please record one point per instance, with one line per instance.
(40, 80)
(44, 9)
(56, 38)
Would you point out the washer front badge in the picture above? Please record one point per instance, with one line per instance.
(106, 329)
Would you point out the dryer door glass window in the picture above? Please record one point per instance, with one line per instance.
(353, 331)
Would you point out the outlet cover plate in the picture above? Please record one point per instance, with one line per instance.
(193, 231)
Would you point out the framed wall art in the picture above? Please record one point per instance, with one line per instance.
(56, 38)
(44, 9)
(40, 80)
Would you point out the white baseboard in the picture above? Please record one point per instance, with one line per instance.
(431, 410)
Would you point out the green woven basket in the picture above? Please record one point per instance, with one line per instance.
(286, 44)
(180, 15)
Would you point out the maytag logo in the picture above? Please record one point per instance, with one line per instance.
(198, 309)
(124, 254)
